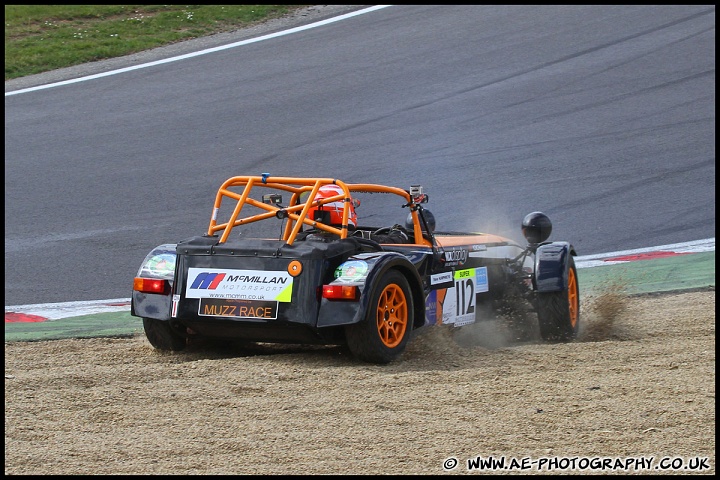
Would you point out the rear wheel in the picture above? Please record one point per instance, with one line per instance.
(383, 334)
(559, 312)
(162, 336)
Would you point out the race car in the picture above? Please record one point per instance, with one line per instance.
(293, 260)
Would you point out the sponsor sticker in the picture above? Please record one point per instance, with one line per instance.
(239, 284)
(221, 307)
(433, 310)
(481, 279)
(441, 278)
(455, 257)
(351, 271)
(175, 302)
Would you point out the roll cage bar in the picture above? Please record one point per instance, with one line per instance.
(296, 212)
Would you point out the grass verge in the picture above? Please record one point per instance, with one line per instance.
(40, 38)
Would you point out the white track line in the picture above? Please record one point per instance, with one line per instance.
(202, 52)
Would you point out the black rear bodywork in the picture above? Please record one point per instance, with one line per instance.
(307, 318)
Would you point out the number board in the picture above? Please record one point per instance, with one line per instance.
(459, 305)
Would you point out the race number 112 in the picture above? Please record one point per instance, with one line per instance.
(464, 297)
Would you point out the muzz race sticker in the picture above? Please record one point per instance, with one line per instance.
(223, 307)
(459, 305)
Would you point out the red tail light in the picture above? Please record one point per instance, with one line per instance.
(340, 292)
(151, 285)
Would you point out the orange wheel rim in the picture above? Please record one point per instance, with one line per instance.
(573, 300)
(392, 316)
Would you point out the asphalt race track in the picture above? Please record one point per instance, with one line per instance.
(603, 117)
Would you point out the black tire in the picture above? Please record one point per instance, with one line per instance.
(162, 336)
(559, 312)
(382, 335)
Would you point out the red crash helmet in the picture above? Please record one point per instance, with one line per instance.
(334, 209)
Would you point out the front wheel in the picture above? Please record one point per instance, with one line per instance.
(559, 312)
(383, 334)
(161, 335)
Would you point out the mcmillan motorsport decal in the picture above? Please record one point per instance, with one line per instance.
(239, 284)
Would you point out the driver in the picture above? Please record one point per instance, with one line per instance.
(331, 214)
